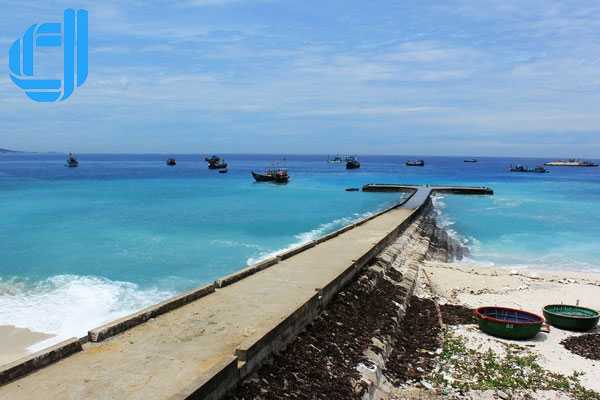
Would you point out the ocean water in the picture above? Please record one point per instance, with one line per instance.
(83, 246)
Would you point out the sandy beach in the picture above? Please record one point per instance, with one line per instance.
(476, 286)
(15, 341)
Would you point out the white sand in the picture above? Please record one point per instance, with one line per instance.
(527, 290)
(15, 341)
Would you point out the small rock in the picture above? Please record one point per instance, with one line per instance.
(427, 385)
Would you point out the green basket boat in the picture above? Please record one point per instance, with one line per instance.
(508, 323)
(573, 318)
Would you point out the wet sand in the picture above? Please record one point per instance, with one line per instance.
(15, 341)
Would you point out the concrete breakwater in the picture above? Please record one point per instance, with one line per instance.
(203, 345)
(351, 350)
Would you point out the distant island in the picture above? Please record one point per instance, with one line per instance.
(9, 151)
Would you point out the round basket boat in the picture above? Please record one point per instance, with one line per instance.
(573, 318)
(508, 323)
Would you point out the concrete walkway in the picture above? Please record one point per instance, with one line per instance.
(160, 358)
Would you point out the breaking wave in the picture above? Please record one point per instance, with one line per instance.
(69, 305)
(305, 237)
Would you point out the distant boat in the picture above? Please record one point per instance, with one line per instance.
(471, 160)
(571, 163)
(523, 168)
(336, 160)
(352, 163)
(223, 171)
(171, 162)
(72, 161)
(415, 163)
(215, 162)
(276, 175)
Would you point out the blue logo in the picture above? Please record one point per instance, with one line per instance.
(72, 35)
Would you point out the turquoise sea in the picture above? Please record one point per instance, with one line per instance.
(83, 246)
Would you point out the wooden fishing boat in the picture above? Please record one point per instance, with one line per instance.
(508, 323)
(523, 168)
(72, 161)
(171, 162)
(573, 318)
(352, 163)
(215, 162)
(415, 163)
(275, 175)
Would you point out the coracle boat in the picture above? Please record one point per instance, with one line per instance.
(572, 318)
(523, 168)
(352, 163)
(215, 162)
(171, 162)
(72, 161)
(276, 175)
(415, 163)
(508, 323)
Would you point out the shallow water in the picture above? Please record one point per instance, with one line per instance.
(83, 246)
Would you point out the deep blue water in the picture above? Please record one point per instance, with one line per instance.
(82, 246)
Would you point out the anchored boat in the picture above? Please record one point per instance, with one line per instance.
(508, 323)
(573, 318)
(352, 163)
(335, 160)
(215, 162)
(523, 168)
(275, 175)
(571, 163)
(415, 163)
(72, 161)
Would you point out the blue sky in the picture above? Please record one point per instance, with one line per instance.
(455, 77)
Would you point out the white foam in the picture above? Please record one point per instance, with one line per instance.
(314, 234)
(69, 305)
(445, 222)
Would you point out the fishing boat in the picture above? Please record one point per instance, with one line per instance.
(508, 323)
(573, 318)
(352, 163)
(171, 162)
(276, 175)
(471, 160)
(415, 163)
(524, 168)
(72, 161)
(335, 160)
(215, 162)
(572, 162)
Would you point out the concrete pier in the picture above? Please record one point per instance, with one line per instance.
(200, 349)
(465, 190)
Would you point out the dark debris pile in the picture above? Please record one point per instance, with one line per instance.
(453, 314)
(587, 346)
(321, 362)
(415, 351)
